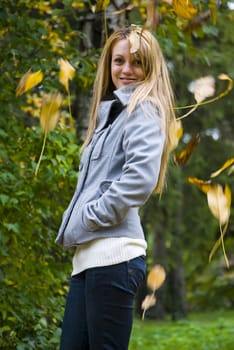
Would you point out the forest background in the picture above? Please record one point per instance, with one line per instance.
(197, 40)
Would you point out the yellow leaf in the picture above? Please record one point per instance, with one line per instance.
(204, 87)
(150, 300)
(231, 170)
(176, 132)
(219, 202)
(101, 5)
(28, 81)
(156, 277)
(184, 8)
(226, 165)
(184, 155)
(204, 186)
(66, 72)
(50, 111)
(228, 195)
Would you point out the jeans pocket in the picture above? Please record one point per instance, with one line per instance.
(136, 273)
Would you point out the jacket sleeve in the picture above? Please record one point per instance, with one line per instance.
(143, 143)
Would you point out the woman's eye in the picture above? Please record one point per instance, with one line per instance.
(138, 62)
(118, 60)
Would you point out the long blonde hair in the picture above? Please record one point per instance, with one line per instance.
(155, 87)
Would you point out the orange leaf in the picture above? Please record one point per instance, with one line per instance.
(204, 186)
(156, 277)
(183, 156)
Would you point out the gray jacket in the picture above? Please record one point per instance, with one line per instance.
(118, 171)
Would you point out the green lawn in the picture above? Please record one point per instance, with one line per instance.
(208, 331)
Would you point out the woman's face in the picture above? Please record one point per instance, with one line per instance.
(126, 68)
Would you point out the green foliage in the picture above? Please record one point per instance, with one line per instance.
(212, 331)
(32, 266)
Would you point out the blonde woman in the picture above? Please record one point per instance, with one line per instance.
(124, 159)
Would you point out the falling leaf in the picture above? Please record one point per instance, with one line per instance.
(226, 165)
(156, 277)
(175, 132)
(48, 118)
(231, 170)
(50, 111)
(66, 72)
(100, 5)
(184, 155)
(28, 81)
(219, 202)
(204, 186)
(183, 8)
(202, 103)
(135, 41)
(150, 300)
(204, 87)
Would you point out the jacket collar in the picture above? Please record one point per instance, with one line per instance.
(123, 94)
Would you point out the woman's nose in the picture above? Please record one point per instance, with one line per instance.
(127, 68)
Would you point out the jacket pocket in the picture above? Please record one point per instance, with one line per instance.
(100, 139)
(104, 186)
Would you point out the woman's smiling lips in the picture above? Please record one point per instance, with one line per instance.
(126, 80)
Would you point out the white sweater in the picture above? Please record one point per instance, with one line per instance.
(107, 251)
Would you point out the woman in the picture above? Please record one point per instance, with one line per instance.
(124, 159)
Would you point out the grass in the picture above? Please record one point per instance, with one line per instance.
(207, 331)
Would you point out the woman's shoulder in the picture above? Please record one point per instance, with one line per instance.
(147, 109)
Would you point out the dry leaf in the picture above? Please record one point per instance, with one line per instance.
(48, 118)
(226, 165)
(150, 300)
(220, 207)
(184, 155)
(219, 202)
(156, 277)
(176, 132)
(28, 81)
(50, 111)
(204, 186)
(135, 41)
(203, 88)
(66, 72)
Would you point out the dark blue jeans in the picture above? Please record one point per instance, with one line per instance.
(99, 309)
